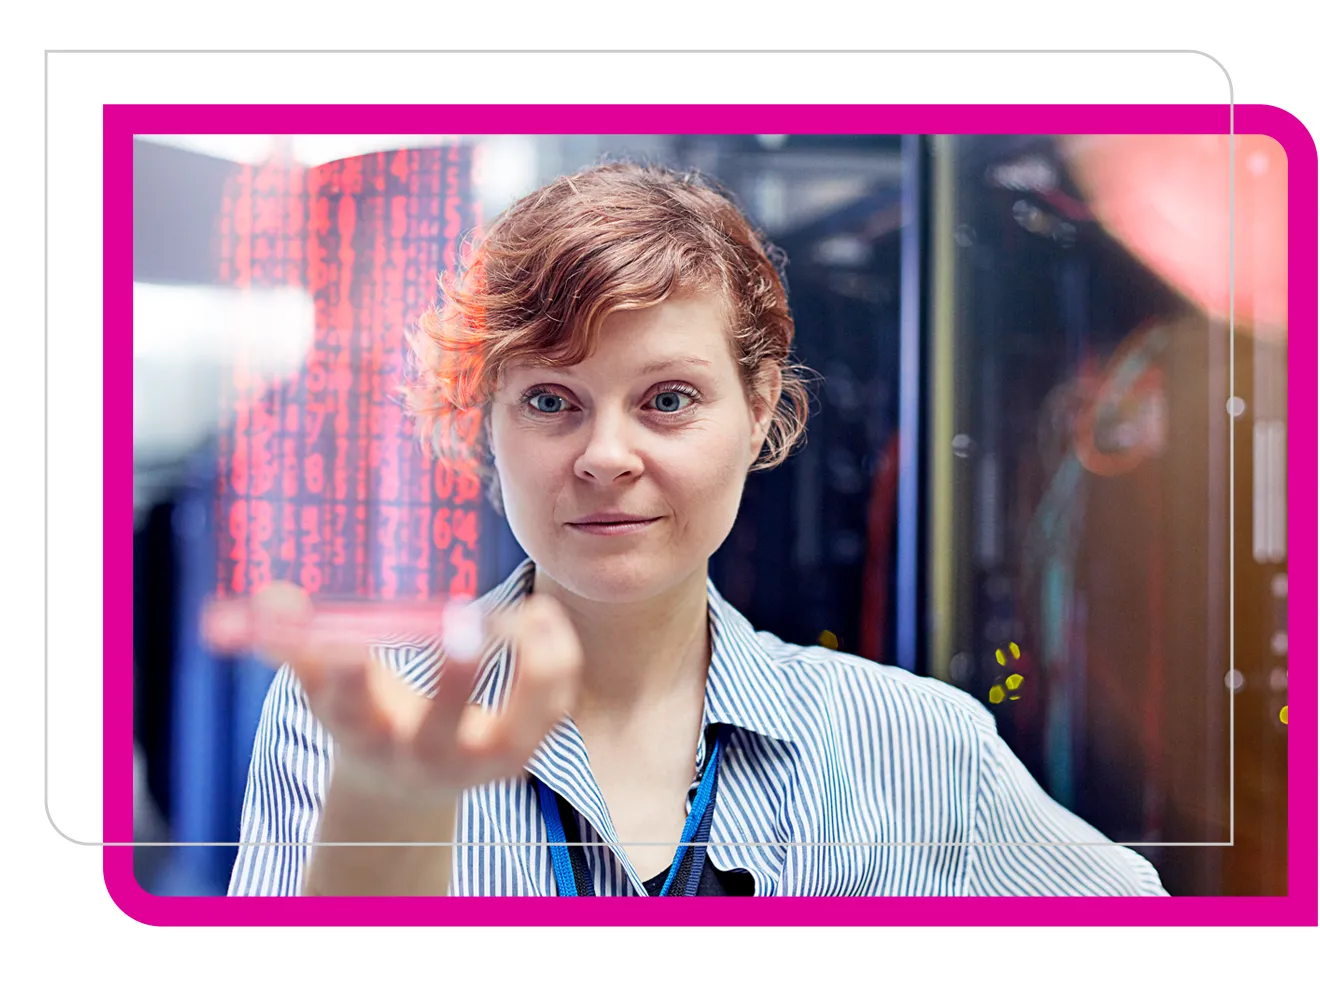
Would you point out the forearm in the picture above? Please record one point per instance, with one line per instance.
(413, 866)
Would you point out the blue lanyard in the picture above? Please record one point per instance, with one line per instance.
(571, 874)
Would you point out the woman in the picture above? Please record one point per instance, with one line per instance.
(616, 360)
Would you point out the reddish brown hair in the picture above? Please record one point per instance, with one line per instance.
(540, 283)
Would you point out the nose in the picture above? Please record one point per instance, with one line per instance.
(608, 455)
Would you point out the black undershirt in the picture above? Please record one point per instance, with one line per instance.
(713, 882)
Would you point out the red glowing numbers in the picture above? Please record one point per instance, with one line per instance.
(322, 480)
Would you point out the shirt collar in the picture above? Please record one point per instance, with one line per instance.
(745, 687)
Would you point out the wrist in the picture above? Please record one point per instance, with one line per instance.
(412, 838)
(360, 792)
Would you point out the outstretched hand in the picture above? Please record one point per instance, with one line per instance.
(391, 739)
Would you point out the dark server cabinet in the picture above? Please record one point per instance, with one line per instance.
(1078, 535)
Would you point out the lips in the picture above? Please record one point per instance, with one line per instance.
(612, 517)
(612, 523)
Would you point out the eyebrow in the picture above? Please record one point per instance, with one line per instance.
(648, 369)
(656, 366)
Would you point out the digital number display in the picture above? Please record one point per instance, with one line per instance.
(322, 480)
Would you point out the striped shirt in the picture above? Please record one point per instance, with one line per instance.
(840, 777)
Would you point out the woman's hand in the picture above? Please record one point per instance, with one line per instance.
(390, 740)
(402, 759)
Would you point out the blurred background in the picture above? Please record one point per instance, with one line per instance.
(1016, 477)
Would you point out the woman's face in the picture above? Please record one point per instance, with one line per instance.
(622, 475)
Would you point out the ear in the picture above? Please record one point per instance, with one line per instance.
(764, 402)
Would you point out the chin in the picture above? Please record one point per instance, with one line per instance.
(617, 579)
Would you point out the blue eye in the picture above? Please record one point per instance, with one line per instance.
(547, 402)
(670, 400)
(675, 398)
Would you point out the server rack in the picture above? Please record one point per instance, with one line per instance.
(1079, 534)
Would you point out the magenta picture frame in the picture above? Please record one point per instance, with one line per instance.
(1298, 907)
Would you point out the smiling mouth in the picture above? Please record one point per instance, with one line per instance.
(621, 520)
(611, 527)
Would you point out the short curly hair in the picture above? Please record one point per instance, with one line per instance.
(556, 263)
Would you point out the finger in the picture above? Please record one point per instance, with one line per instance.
(367, 705)
(341, 637)
(476, 732)
(331, 661)
(547, 666)
(463, 631)
(464, 638)
(226, 625)
(469, 639)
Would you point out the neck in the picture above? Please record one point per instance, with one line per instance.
(639, 656)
